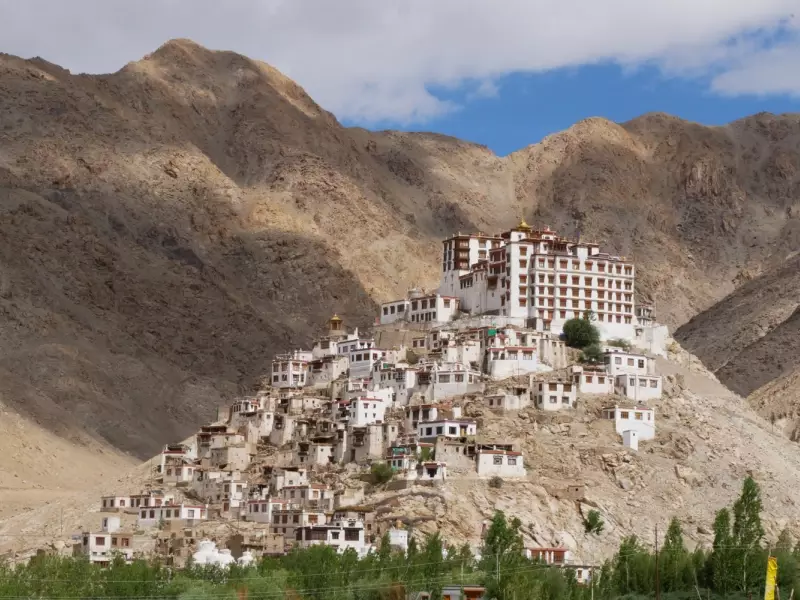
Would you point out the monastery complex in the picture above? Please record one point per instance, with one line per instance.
(286, 460)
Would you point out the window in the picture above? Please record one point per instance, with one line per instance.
(452, 430)
(498, 460)
(113, 541)
(637, 416)
(623, 414)
(191, 513)
(429, 431)
(553, 400)
(440, 430)
(385, 310)
(641, 364)
(444, 378)
(334, 535)
(126, 542)
(447, 303)
(631, 381)
(564, 399)
(512, 461)
(589, 379)
(99, 541)
(653, 383)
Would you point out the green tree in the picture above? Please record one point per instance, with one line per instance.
(579, 333)
(593, 523)
(634, 567)
(381, 472)
(747, 534)
(502, 555)
(592, 354)
(723, 560)
(674, 559)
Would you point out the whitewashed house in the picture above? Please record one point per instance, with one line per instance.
(419, 307)
(101, 547)
(340, 534)
(504, 401)
(452, 428)
(260, 510)
(362, 362)
(618, 361)
(639, 388)
(555, 394)
(290, 370)
(499, 463)
(638, 418)
(151, 517)
(592, 380)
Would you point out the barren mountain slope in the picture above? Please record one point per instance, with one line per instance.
(165, 229)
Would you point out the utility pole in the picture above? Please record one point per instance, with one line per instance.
(658, 583)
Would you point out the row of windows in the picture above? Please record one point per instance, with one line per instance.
(121, 542)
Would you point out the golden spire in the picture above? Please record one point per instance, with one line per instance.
(523, 225)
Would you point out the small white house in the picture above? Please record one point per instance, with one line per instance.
(362, 362)
(101, 547)
(419, 413)
(453, 428)
(504, 362)
(499, 463)
(340, 534)
(630, 439)
(618, 361)
(419, 308)
(151, 517)
(260, 511)
(555, 394)
(504, 401)
(593, 381)
(640, 419)
(639, 388)
(364, 410)
(398, 538)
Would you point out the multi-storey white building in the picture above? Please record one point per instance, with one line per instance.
(291, 369)
(555, 394)
(420, 308)
(101, 547)
(540, 277)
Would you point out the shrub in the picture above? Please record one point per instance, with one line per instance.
(496, 482)
(412, 357)
(620, 343)
(381, 473)
(592, 354)
(593, 523)
(579, 333)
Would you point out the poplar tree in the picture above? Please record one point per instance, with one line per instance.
(723, 561)
(747, 534)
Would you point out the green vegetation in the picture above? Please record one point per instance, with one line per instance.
(734, 568)
(496, 482)
(381, 472)
(620, 343)
(592, 354)
(593, 523)
(579, 333)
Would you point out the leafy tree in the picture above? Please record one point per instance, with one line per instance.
(381, 472)
(579, 333)
(722, 558)
(675, 559)
(592, 354)
(747, 533)
(634, 567)
(593, 523)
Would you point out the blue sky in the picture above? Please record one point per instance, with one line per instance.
(503, 73)
(528, 107)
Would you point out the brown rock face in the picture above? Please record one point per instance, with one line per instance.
(165, 229)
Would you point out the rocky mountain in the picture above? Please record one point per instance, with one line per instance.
(751, 340)
(166, 228)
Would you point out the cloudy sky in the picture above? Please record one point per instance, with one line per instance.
(501, 72)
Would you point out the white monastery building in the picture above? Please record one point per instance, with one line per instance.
(538, 276)
(638, 418)
(420, 308)
(500, 463)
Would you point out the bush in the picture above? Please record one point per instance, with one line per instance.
(412, 357)
(496, 482)
(381, 473)
(620, 343)
(592, 354)
(593, 522)
(579, 333)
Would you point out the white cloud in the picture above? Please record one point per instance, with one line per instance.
(376, 60)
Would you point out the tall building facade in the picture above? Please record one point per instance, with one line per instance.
(540, 277)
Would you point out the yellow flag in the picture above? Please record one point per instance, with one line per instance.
(772, 575)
